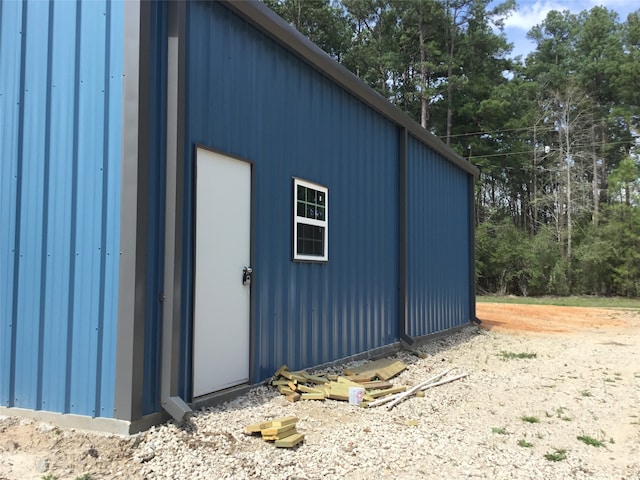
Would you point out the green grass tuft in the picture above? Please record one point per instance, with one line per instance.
(529, 419)
(500, 430)
(524, 444)
(511, 355)
(557, 455)
(594, 442)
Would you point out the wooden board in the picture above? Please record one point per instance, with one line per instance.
(282, 421)
(257, 427)
(376, 384)
(266, 432)
(384, 368)
(289, 430)
(388, 391)
(313, 396)
(290, 442)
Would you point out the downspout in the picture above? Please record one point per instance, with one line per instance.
(170, 399)
(403, 236)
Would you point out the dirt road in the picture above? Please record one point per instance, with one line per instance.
(549, 319)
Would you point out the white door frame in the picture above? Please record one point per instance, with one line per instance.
(222, 248)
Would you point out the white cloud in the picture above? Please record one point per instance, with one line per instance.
(528, 16)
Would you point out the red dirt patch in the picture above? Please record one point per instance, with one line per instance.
(547, 318)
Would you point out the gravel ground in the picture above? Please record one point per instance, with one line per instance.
(584, 383)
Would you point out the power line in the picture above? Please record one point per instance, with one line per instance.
(508, 154)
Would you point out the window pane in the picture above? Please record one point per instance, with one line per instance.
(301, 193)
(310, 240)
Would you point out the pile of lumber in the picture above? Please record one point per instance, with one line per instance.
(282, 431)
(373, 377)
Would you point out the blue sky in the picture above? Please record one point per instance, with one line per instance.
(532, 12)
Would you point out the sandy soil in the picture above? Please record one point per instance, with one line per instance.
(549, 319)
(602, 346)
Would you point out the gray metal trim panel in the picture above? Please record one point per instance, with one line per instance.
(130, 338)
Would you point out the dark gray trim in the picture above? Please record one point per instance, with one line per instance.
(403, 235)
(472, 249)
(270, 24)
(178, 26)
(170, 321)
(133, 213)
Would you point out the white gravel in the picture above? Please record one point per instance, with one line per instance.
(583, 384)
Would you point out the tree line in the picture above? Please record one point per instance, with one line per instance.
(554, 133)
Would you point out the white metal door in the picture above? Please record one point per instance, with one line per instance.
(222, 251)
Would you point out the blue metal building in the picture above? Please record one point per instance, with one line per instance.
(193, 195)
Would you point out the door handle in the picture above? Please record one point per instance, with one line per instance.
(247, 275)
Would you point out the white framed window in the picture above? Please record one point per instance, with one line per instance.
(310, 221)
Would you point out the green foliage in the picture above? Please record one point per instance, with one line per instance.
(558, 198)
(557, 455)
(583, 301)
(524, 444)
(500, 430)
(530, 419)
(512, 355)
(594, 442)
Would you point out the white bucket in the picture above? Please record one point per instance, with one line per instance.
(355, 395)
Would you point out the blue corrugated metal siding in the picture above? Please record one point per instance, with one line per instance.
(60, 94)
(438, 288)
(247, 96)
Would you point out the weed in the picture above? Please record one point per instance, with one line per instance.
(524, 444)
(530, 419)
(512, 355)
(539, 436)
(585, 393)
(500, 430)
(610, 380)
(557, 455)
(50, 477)
(86, 476)
(594, 442)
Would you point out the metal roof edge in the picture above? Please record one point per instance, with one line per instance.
(258, 14)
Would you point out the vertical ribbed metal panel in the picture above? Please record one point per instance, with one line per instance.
(155, 235)
(438, 287)
(247, 96)
(60, 94)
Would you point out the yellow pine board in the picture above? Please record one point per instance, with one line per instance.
(257, 427)
(384, 368)
(360, 378)
(293, 397)
(388, 391)
(290, 441)
(282, 421)
(291, 430)
(376, 385)
(315, 379)
(305, 389)
(350, 383)
(313, 396)
(280, 381)
(283, 368)
(391, 371)
(285, 390)
(277, 430)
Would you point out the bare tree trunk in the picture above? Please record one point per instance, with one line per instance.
(424, 100)
(596, 190)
